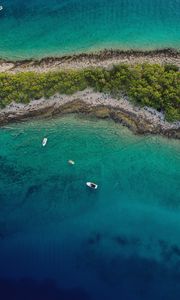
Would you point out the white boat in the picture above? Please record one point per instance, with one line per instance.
(71, 162)
(92, 185)
(44, 142)
(1, 7)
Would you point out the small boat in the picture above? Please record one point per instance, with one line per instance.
(71, 162)
(92, 185)
(1, 7)
(44, 142)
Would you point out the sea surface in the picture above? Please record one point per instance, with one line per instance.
(38, 28)
(59, 240)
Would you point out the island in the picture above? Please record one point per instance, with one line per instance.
(139, 89)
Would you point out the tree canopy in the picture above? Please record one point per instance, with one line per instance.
(150, 85)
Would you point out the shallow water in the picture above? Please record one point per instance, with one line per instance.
(60, 240)
(37, 28)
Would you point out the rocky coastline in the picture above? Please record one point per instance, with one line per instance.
(139, 120)
(88, 102)
(105, 58)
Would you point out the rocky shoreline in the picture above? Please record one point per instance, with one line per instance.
(105, 58)
(139, 120)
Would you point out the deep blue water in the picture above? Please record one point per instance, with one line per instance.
(37, 28)
(60, 240)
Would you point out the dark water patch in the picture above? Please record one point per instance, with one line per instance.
(18, 9)
(31, 289)
(2, 199)
(8, 229)
(10, 171)
(176, 250)
(65, 8)
(169, 252)
(33, 189)
(164, 250)
(95, 238)
(19, 12)
(172, 201)
(122, 240)
(136, 277)
(100, 239)
(3, 229)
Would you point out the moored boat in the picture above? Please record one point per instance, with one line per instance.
(71, 162)
(92, 185)
(44, 142)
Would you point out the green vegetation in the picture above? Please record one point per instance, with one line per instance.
(145, 84)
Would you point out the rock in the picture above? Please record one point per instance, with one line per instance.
(100, 105)
(101, 112)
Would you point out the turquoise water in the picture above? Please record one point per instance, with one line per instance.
(38, 28)
(60, 240)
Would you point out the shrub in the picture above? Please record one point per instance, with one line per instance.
(145, 84)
